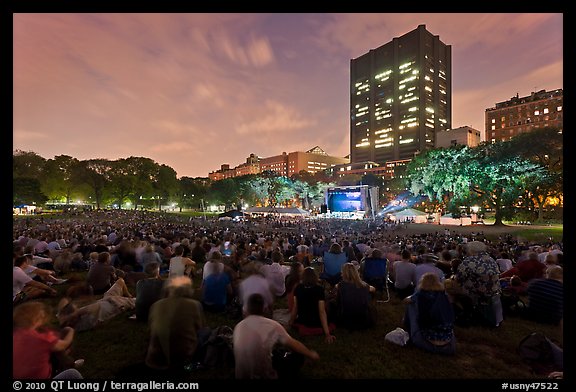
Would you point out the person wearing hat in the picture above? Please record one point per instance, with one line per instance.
(479, 277)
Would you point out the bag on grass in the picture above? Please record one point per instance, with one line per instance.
(219, 352)
(540, 353)
(397, 336)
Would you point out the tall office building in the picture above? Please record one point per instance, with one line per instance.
(400, 97)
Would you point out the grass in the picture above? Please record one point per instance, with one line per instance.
(481, 353)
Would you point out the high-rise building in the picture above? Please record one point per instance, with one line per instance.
(400, 97)
(510, 118)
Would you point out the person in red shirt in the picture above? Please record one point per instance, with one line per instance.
(34, 344)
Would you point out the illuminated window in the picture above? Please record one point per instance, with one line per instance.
(536, 112)
(493, 121)
(545, 110)
(559, 108)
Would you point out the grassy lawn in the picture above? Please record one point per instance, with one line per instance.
(481, 353)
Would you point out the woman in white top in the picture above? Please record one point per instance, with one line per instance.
(180, 265)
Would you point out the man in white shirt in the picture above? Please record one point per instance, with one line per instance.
(254, 339)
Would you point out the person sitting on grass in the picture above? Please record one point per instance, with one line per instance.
(114, 301)
(148, 290)
(102, 274)
(176, 323)
(34, 346)
(254, 340)
(429, 316)
(23, 286)
(354, 300)
(309, 312)
(546, 297)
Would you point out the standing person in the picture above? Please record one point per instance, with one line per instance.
(175, 322)
(254, 339)
(34, 345)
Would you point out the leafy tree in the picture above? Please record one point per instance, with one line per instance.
(61, 178)
(95, 174)
(490, 173)
(225, 192)
(27, 164)
(165, 182)
(544, 147)
(26, 190)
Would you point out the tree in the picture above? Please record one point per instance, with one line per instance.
(95, 174)
(165, 182)
(490, 174)
(545, 148)
(27, 164)
(225, 192)
(60, 179)
(26, 190)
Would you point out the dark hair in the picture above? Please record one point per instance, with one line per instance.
(151, 269)
(255, 304)
(20, 260)
(309, 277)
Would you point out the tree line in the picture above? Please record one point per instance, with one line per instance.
(522, 175)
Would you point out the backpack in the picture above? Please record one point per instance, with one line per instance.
(540, 353)
(218, 349)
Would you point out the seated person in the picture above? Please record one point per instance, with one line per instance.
(175, 322)
(254, 283)
(276, 274)
(23, 286)
(114, 301)
(216, 289)
(354, 300)
(546, 297)
(429, 317)
(35, 346)
(102, 274)
(332, 264)
(148, 291)
(254, 339)
(309, 310)
(374, 269)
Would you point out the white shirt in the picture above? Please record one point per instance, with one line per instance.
(19, 280)
(253, 340)
(255, 284)
(177, 267)
(276, 276)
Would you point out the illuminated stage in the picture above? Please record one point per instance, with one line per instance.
(351, 202)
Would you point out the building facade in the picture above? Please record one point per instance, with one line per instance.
(465, 135)
(285, 164)
(510, 118)
(400, 97)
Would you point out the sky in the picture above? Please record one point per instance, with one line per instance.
(194, 91)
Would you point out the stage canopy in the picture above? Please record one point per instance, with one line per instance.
(410, 214)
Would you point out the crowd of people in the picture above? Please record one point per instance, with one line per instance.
(331, 273)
